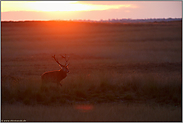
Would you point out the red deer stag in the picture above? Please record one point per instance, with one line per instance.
(57, 75)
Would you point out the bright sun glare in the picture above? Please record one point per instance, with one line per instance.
(59, 6)
(49, 6)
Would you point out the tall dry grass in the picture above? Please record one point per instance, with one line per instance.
(98, 87)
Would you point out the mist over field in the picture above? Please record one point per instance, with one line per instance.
(114, 67)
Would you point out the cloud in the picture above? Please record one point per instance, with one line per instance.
(109, 10)
(104, 2)
(109, 4)
(64, 5)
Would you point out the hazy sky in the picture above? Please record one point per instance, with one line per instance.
(93, 10)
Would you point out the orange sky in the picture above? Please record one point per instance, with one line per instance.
(92, 10)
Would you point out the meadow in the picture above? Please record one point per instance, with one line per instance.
(112, 65)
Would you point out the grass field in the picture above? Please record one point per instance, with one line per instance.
(109, 63)
(98, 112)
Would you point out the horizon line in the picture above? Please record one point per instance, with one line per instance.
(86, 20)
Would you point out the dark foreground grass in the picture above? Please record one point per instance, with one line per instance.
(96, 87)
(94, 112)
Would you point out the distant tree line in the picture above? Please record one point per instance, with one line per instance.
(111, 20)
(133, 20)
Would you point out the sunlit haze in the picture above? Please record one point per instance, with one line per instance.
(89, 10)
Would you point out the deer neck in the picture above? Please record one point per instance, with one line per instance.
(62, 71)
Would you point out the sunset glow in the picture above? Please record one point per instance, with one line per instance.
(48, 6)
(88, 10)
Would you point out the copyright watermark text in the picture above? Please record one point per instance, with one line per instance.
(13, 120)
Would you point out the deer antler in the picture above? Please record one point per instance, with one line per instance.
(66, 60)
(57, 61)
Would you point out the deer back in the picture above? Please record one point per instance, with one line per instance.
(54, 76)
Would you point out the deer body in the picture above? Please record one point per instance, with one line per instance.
(53, 76)
(57, 75)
